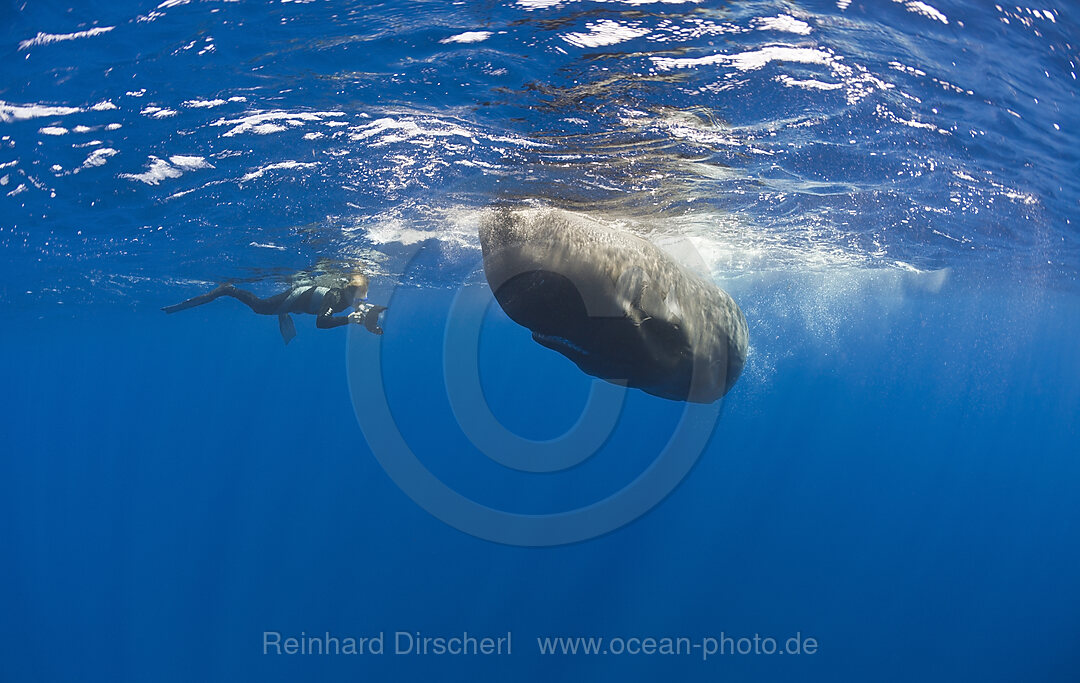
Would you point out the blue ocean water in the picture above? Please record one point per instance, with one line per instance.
(887, 188)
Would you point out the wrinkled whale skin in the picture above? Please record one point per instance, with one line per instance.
(615, 304)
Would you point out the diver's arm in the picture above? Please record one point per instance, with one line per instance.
(364, 314)
(327, 321)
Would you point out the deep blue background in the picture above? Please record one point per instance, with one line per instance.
(175, 486)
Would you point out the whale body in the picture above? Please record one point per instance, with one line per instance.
(613, 303)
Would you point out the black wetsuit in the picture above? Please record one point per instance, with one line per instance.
(315, 300)
(323, 302)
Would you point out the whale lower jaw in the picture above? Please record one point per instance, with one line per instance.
(561, 344)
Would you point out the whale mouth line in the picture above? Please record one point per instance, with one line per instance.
(553, 340)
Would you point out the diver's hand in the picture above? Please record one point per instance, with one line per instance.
(367, 314)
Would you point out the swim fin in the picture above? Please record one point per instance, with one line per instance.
(288, 329)
(198, 300)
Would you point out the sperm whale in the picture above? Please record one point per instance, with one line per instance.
(613, 303)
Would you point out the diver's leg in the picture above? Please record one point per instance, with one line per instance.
(197, 300)
(267, 306)
(264, 306)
